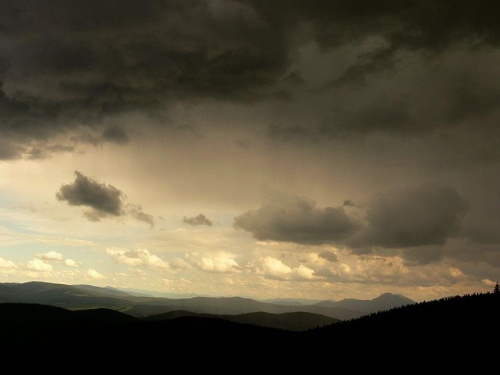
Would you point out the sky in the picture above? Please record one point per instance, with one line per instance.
(268, 149)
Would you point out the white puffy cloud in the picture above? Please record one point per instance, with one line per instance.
(94, 274)
(7, 264)
(139, 257)
(274, 268)
(179, 263)
(51, 256)
(38, 265)
(221, 262)
(70, 263)
(270, 266)
(304, 272)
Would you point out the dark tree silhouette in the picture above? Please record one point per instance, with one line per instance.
(497, 289)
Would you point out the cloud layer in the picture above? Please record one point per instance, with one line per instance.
(64, 68)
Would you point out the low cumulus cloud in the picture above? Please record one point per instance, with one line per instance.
(275, 269)
(53, 256)
(93, 274)
(220, 262)
(101, 200)
(70, 263)
(38, 265)
(139, 257)
(198, 220)
(6, 265)
(295, 219)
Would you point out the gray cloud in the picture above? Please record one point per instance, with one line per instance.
(10, 150)
(101, 199)
(197, 220)
(104, 200)
(421, 25)
(405, 218)
(137, 213)
(329, 256)
(63, 66)
(422, 255)
(115, 134)
(43, 151)
(350, 203)
(295, 219)
(414, 223)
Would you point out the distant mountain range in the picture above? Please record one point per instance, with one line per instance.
(91, 297)
(383, 302)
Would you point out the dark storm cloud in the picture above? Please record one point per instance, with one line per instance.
(10, 150)
(405, 218)
(413, 222)
(430, 26)
(115, 134)
(43, 151)
(102, 200)
(417, 256)
(197, 220)
(67, 64)
(291, 133)
(105, 200)
(329, 256)
(295, 219)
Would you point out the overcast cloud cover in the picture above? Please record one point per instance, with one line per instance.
(320, 149)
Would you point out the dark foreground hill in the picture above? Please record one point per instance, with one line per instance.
(293, 321)
(456, 333)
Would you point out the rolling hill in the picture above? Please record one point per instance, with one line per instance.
(293, 321)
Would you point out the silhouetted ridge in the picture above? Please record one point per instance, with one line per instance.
(107, 316)
(293, 321)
